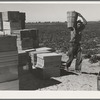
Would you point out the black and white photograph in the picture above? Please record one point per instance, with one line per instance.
(50, 46)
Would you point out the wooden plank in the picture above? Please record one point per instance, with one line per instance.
(8, 58)
(9, 63)
(9, 53)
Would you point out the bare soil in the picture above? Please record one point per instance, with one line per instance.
(72, 81)
(68, 80)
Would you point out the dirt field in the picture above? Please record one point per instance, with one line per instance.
(87, 80)
(67, 81)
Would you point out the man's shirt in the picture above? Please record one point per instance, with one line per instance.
(76, 34)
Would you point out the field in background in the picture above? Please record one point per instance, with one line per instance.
(57, 36)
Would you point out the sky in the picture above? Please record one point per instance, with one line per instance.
(44, 12)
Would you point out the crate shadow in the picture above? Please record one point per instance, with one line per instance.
(29, 81)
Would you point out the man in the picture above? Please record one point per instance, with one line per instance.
(75, 44)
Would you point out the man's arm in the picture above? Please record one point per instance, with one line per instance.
(84, 20)
(73, 35)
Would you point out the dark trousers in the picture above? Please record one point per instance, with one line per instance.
(75, 52)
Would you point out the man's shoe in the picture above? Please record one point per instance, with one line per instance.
(67, 68)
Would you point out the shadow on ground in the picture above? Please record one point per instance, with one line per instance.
(90, 73)
(31, 80)
(64, 72)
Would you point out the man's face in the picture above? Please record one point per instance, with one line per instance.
(79, 25)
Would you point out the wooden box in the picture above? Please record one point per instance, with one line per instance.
(48, 64)
(8, 43)
(10, 16)
(27, 33)
(48, 57)
(33, 55)
(8, 66)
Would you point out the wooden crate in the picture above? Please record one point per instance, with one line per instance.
(27, 43)
(48, 57)
(33, 55)
(48, 60)
(10, 16)
(7, 54)
(25, 39)
(26, 33)
(8, 58)
(8, 43)
(8, 66)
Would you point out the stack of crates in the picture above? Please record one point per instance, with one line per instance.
(10, 21)
(48, 65)
(27, 38)
(13, 20)
(33, 53)
(8, 58)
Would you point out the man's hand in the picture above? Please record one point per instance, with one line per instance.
(84, 20)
